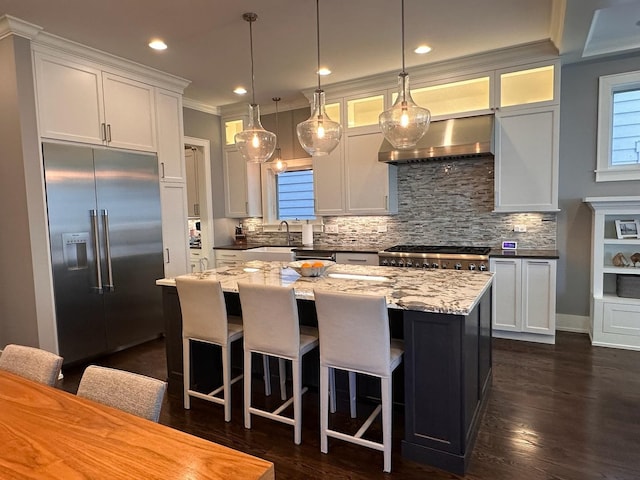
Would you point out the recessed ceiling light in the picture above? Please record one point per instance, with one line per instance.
(324, 71)
(158, 45)
(423, 49)
(240, 91)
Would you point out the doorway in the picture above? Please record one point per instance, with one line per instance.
(200, 203)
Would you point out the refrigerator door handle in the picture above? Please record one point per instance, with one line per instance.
(105, 223)
(96, 248)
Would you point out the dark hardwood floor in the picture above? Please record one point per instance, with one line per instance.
(564, 411)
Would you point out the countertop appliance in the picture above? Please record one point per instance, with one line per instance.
(105, 232)
(436, 256)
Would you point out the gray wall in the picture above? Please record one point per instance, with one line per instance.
(578, 134)
(208, 127)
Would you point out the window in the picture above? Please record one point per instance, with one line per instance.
(618, 156)
(294, 192)
(625, 132)
(288, 196)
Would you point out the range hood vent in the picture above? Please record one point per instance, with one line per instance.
(467, 137)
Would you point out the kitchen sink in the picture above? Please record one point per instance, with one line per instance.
(270, 253)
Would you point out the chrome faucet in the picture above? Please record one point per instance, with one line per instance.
(288, 234)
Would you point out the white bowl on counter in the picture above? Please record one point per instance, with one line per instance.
(311, 268)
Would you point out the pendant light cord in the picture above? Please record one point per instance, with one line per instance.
(253, 89)
(251, 17)
(318, 38)
(277, 99)
(402, 43)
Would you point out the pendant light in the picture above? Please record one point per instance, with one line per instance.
(319, 135)
(254, 143)
(405, 123)
(277, 164)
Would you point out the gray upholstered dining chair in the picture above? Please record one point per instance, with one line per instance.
(126, 391)
(32, 363)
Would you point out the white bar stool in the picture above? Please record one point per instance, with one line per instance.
(271, 327)
(354, 336)
(204, 319)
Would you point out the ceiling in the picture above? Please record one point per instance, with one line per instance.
(209, 41)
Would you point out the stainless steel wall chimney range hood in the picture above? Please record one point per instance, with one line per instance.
(466, 137)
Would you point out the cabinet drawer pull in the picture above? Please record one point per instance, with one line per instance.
(103, 131)
(161, 169)
(361, 260)
(168, 258)
(109, 133)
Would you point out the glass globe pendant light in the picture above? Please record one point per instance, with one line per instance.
(254, 143)
(319, 135)
(277, 164)
(405, 123)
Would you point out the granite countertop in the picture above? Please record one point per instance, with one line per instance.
(436, 291)
(525, 253)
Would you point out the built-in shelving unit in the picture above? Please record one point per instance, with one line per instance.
(615, 320)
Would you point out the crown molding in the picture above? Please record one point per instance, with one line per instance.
(14, 26)
(200, 106)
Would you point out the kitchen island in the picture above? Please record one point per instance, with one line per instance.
(444, 317)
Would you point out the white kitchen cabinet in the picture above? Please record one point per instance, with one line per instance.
(170, 136)
(82, 103)
(328, 183)
(175, 239)
(129, 113)
(526, 160)
(243, 197)
(615, 320)
(371, 186)
(228, 258)
(524, 299)
(357, 258)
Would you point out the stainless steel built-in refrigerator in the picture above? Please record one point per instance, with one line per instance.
(106, 247)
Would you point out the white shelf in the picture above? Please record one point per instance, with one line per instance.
(612, 298)
(624, 270)
(615, 320)
(622, 241)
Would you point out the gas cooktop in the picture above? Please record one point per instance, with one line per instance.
(449, 249)
(458, 257)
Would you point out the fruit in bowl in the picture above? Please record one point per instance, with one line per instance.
(311, 268)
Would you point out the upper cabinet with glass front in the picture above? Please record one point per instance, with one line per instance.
(531, 86)
(460, 97)
(363, 111)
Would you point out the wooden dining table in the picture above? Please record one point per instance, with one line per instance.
(46, 433)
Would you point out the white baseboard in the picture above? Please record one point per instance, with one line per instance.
(572, 323)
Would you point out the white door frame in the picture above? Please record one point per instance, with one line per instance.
(206, 213)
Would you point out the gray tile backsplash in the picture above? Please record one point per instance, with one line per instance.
(440, 202)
